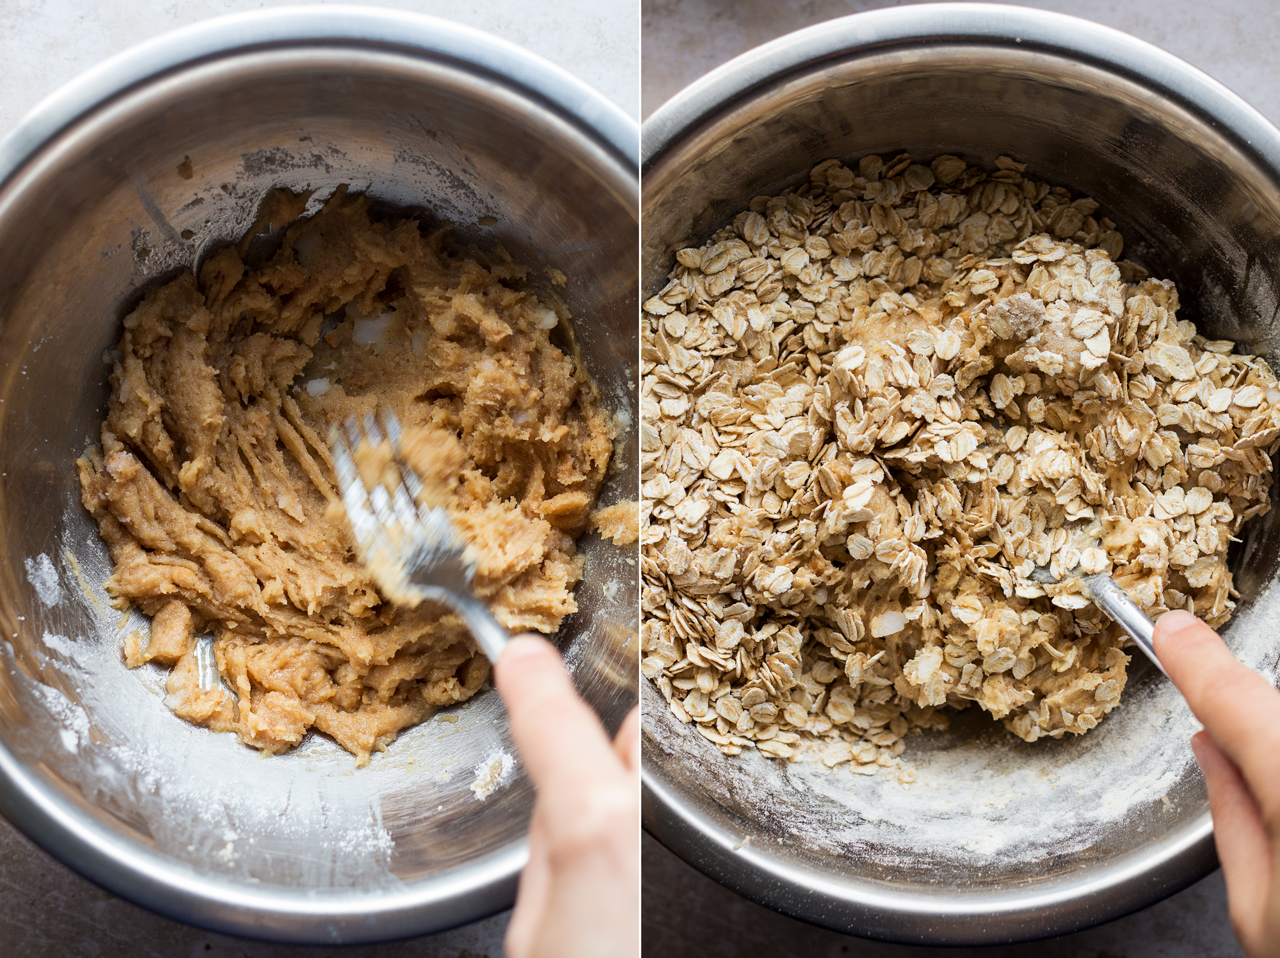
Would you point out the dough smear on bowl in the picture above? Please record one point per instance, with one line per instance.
(871, 407)
(214, 478)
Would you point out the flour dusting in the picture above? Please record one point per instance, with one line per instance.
(985, 808)
(75, 724)
(491, 773)
(307, 819)
(44, 577)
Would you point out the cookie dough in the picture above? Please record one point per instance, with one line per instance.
(619, 523)
(213, 481)
(872, 407)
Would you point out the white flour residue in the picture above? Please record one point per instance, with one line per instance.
(984, 804)
(60, 644)
(491, 773)
(44, 578)
(1249, 639)
(623, 397)
(74, 730)
(308, 820)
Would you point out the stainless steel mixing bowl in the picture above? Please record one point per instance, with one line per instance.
(998, 840)
(96, 200)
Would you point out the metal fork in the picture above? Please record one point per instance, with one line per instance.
(1115, 602)
(412, 551)
(1103, 590)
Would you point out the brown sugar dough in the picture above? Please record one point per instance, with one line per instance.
(213, 481)
(619, 523)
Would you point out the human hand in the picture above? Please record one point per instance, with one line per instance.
(579, 895)
(1239, 754)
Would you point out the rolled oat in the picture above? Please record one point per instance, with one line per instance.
(871, 407)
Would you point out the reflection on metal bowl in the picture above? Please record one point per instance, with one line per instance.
(137, 169)
(997, 840)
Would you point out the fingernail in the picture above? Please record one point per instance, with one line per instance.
(524, 645)
(1175, 620)
(1198, 748)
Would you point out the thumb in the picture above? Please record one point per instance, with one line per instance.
(560, 740)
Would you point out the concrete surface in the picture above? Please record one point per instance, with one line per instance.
(47, 910)
(687, 914)
(1231, 40)
(44, 43)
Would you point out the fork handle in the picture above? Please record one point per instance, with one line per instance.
(1122, 610)
(489, 635)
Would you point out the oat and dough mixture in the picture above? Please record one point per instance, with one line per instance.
(214, 477)
(871, 407)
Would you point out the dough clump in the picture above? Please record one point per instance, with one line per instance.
(214, 480)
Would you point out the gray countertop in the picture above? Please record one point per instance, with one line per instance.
(46, 909)
(51, 912)
(687, 914)
(1231, 40)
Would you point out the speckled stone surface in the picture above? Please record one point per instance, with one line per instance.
(687, 914)
(44, 43)
(46, 910)
(1231, 40)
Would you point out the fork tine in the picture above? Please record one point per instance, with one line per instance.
(344, 467)
(371, 430)
(406, 512)
(354, 435)
(381, 503)
(391, 423)
(341, 456)
(392, 426)
(354, 496)
(412, 482)
(436, 523)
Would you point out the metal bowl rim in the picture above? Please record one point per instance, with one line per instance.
(1120, 887)
(339, 25)
(987, 24)
(55, 823)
